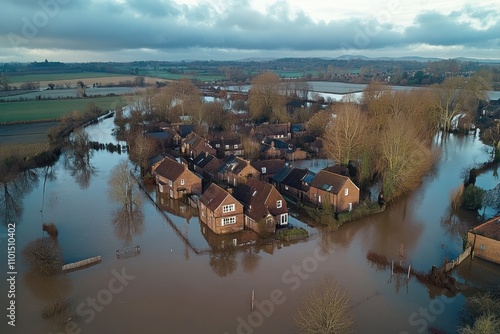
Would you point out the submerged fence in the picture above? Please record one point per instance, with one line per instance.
(450, 265)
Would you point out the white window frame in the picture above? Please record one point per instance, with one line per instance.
(235, 146)
(227, 147)
(170, 183)
(279, 204)
(346, 191)
(182, 182)
(228, 220)
(228, 208)
(264, 170)
(284, 219)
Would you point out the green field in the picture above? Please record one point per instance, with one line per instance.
(51, 109)
(188, 75)
(13, 79)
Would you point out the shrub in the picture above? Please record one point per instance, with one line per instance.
(473, 197)
(456, 197)
(364, 209)
(43, 256)
(51, 229)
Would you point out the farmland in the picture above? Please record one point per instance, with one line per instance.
(51, 109)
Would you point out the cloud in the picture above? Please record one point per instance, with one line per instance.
(163, 25)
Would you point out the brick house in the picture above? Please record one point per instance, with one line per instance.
(175, 179)
(193, 145)
(339, 190)
(220, 211)
(485, 240)
(206, 164)
(262, 203)
(235, 170)
(267, 168)
(295, 184)
(228, 146)
(281, 131)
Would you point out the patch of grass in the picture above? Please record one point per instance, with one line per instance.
(291, 234)
(51, 109)
(23, 150)
(363, 209)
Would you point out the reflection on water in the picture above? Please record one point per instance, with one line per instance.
(93, 221)
(13, 189)
(77, 159)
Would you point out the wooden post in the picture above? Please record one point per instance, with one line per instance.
(253, 298)
(392, 267)
(409, 268)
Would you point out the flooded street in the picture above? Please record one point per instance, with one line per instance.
(172, 288)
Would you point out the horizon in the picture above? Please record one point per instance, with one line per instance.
(161, 30)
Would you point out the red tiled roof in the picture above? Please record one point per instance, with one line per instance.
(170, 169)
(213, 197)
(329, 182)
(489, 229)
(253, 195)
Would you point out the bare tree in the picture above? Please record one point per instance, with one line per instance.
(141, 149)
(326, 310)
(264, 97)
(344, 136)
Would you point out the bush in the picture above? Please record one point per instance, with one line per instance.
(51, 229)
(473, 197)
(292, 234)
(43, 256)
(325, 310)
(364, 209)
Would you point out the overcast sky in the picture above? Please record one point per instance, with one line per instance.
(126, 30)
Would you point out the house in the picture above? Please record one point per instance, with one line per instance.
(228, 146)
(273, 148)
(298, 130)
(175, 179)
(206, 164)
(264, 207)
(279, 131)
(193, 145)
(485, 240)
(339, 190)
(220, 211)
(292, 154)
(267, 168)
(235, 170)
(295, 184)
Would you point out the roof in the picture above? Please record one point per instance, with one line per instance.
(281, 174)
(296, 177)
(203, 159)
(338, 169)
(489, 229)
(279, 144)
(272, 129)
(185, 129)
(159, 135)
(232, 164)
(272, 166)
(298, 127)
(253, 196)
(329, 182)
(170, 169)
(213, 197)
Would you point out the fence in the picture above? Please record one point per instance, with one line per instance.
(450, 265)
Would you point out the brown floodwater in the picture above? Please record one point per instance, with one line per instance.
(205, 285)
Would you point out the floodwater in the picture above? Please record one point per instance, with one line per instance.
(172, 287)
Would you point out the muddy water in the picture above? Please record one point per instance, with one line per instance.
(169, 288)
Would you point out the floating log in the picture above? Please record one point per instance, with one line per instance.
(82, 264)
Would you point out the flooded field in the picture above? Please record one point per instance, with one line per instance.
(171, 288)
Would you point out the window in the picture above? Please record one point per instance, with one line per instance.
(482, 247)
(286, 188)
(264, 170)
(279, 204)
(350, 206)
(319, 198)
(217, 145)
(170, 183)
(227, 147)
(284, 219)
(235, 146)
(228, 221)
(228, 208)
(182, 182)
(346, 191)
